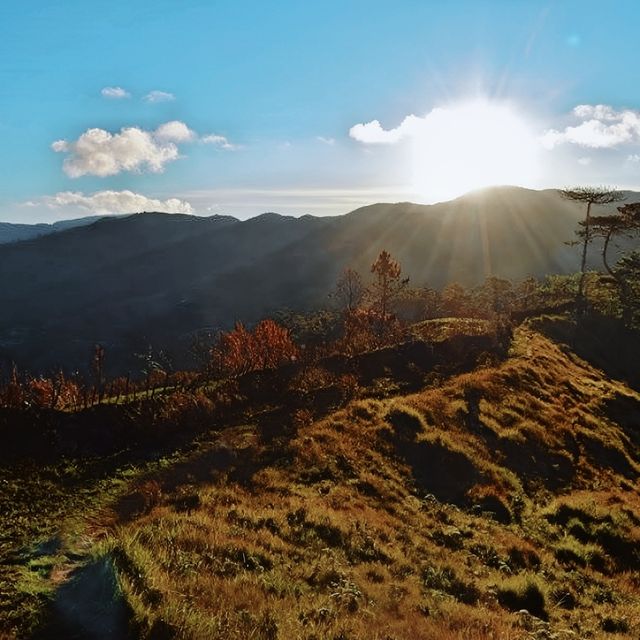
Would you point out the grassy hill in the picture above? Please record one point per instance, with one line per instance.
(406, 506)
(157, 279)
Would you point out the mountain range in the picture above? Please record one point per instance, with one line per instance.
(15, 232)
(155, 279)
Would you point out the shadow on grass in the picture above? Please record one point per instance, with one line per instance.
(602, 341)
(88, 606)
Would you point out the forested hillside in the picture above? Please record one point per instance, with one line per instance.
(158, 280)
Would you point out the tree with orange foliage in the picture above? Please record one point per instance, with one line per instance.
(42, 392)
(360, 332)
(13, 394)
(234, 353)
(273, 344)
(239, 351)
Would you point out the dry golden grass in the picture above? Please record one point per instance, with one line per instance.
(428, 516)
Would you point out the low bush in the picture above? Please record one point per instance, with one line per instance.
(614, 625)
(445, 579)
(523, 592)
(406, 422)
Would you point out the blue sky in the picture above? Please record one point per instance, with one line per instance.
(261, 98)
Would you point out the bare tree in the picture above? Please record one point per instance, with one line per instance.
(589, 196)
(349, 290)
(97, 367)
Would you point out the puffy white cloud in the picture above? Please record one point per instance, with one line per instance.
(601, 127)
(597, 111)
(373, 133)
(116, 202)
(174, 131)
(159, 96)
(115, 93)
(218, 141)
(60, 146)
(100, 153)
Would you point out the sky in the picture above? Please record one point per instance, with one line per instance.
(238, 107)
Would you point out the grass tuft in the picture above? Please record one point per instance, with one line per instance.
(523, 592)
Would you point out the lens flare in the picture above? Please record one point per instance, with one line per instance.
(472, 145)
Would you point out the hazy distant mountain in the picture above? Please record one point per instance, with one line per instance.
(155, 278)
(14, 232)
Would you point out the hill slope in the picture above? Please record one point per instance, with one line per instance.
(155, 278)
(440, 514)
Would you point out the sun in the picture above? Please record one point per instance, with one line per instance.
(472, 145)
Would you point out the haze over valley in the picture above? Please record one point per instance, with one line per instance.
(156, 280)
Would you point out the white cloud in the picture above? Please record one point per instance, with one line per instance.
(60, 146)
(329, 141)
(100, 153)
(460, 147)
(174, 131)
(634, 158)
(218, 141)
(116, 202)
(584, 161)
(597, 111)
(373, 133)
(115, 93)
(159, 96)
(601, 127)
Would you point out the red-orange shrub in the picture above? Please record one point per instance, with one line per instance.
(268, 346)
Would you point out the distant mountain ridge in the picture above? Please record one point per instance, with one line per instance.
(153, 278)
(15, 232)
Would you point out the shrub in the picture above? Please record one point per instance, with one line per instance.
(239, 351)
(301, 418)
(571, 553)
(146, 496)
(489, 502)
(578, 530)
(614, 625)
(348, 385)
(574, 554)
(189, 408)
(445, 579)
(311, 379)
(406, 422)
(564, 597)
(523, 558)
(623, 549)
(186, 500)
(523, 592)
